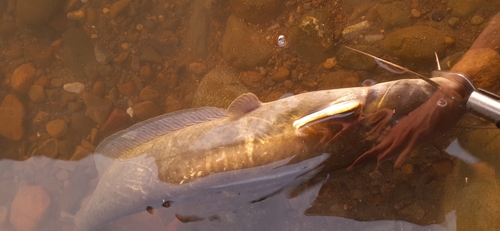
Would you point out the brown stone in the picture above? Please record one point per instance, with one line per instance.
(28, 207)
(117, 118)
(146, 110)
(127, 88)
(197, 68)
(250, 77)
(23, 77)
(281, 75)
(56, 128)
(148, 93)
(11, 118)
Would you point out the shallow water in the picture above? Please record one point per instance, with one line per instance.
(75, 72)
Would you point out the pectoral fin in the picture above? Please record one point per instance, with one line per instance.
(243, 104)
(332, 111)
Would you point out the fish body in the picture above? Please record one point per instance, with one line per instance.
(253, 148)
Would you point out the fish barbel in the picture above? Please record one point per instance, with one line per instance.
(260, 148)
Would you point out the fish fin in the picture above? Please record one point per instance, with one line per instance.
(243, 104)
(115, 145)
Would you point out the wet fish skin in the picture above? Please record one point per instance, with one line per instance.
(187, 163)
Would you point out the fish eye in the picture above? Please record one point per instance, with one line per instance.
(442, 102)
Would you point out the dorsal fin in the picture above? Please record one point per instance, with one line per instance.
(243, 104)
(119, 143)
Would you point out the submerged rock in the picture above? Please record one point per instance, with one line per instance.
(394, 14)
(354, 60)
(218, 88)
(256, 11)
(463, 8)
(314, 36)
(415, 43)
(243, 47)
(79, 54)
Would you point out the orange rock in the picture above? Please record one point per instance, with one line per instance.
(28, 207)
(11, 118)
(127, 88)
(23, 77)
(250, 77)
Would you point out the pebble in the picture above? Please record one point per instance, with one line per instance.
(56, 82)
(127, 88)
(145, 72)
(23, 77)
(453, 22)
(148, 93)
(330, 63)
(118, 7)
(121, 58)
(449, 40)
(250, 77)
(62, 174)
(80, 153)
(11, 118)
(281, 75)
(36, 93)
(172, 104)
(56, 128)
(415, 13)
(103, 55)
(407, 169)
(74, 87)
(146, 110)
(476, 20)
(116, 119)
(77, 15)
(98, 89)
(197, 68)
(98, 109)
(28, 207)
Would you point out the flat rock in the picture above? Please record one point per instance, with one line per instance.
(415, 43)
(242, 47)
(11, 118)
(116, 119)
(23, 77)
(218, 88)
(28, 207)
(149, 93)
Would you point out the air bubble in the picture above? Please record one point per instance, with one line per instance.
(281, 41)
